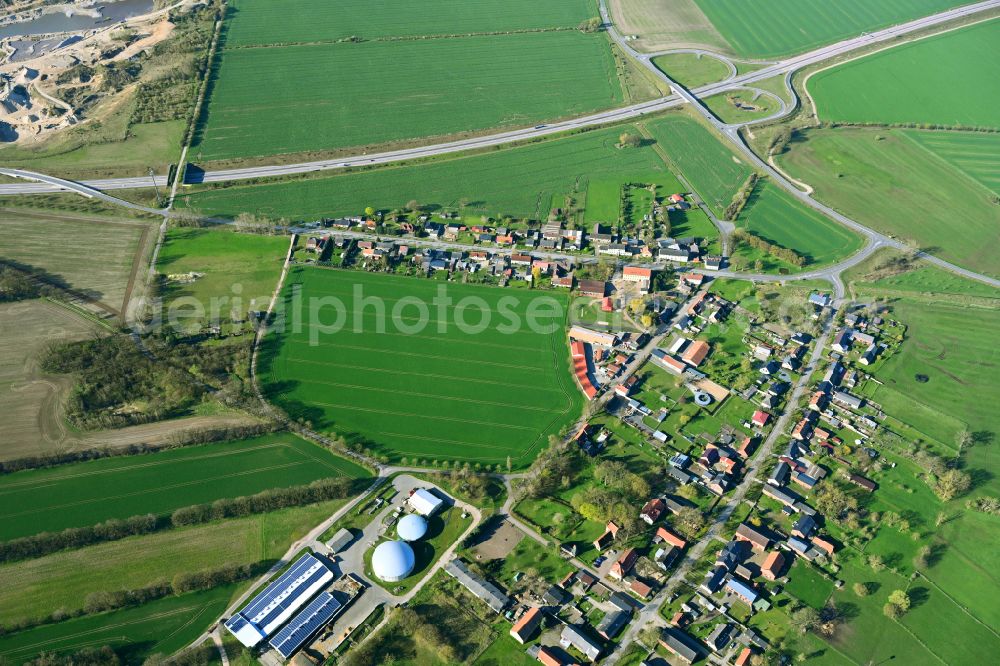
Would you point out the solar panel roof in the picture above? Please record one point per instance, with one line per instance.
(306, 623)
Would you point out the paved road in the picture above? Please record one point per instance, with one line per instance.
(625, 113)
(874, 239)
(757, 464)
(62, 185)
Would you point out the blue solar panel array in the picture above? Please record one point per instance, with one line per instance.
(280, 585)
(306, 623)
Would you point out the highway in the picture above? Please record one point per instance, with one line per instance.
(874, 239)
(546, 129)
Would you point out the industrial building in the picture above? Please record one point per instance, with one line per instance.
(393, 561)
(411, 527)
(313, 617)
(425, 502)
(280, 600)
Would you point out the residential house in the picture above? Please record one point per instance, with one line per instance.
(681, 645)
(780, 494)
(641, 589)
(804, 527)
(652, 511)
(847, 400)
(642, 277)
(573, 636)
(566, 281)
(863, 482)
(695, 352)
(760, 418)
(665, 535)
(772, 566)
(779, 476)
(757, 539)
(719, 637)
(610, 532)
(667, 362)
(743, 590)
(612, 624)
(624, 563)
(842, 341)
(526, 625)
(596, 288)
(823, 544)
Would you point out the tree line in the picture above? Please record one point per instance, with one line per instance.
(109, 600)
(179, 439)
(16, 286)
(785, 254)
(741, 198)
(234, 507)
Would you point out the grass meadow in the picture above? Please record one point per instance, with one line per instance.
(233, 266)
(691, 69)
(271, 97)
(777, 217)
(161, 627)
(140, 561)
(438, 393)
(711, 168)
(49, 500)
(520, 181)
(94, 256)
(891, 182)
(265, 22)
(752, 106)
(31, 402)
(782, 27)
(975, 154)
(942, 80)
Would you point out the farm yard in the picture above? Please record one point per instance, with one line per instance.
(940, 81)
(436, 394)
(427, 87)
(82, 494)
(775, 216)
(521, 181)
(711, 168)
(95, 256)
(31, 402)
(913, 184)
(781, 27)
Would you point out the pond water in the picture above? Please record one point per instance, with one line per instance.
(59, 22)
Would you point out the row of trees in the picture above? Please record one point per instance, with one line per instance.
(740, 198)
(16, 286)
(192, 436)
(264, 502)
(234, 507)
(785, 254)
(107, 600)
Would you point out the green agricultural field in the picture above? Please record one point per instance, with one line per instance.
(520, 181)
(140, 561)
(264, 22)
(977, 154)
(780, 27)
(159, 627)
(887, 181)
(94, 256)
(49, 500)
(774, 215)
(740, 106)
(233, 267)
(923, 278)
(953, 346)
(691, 69)
(905, 84)
(115, 149)
(433, 392)
(322, 97)
(711, 168)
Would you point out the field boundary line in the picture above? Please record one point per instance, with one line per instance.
(959, 606)
(33, 485)
(157, 489)
(434, 396)
(411, 354)
(421, 416)
(498, 447)
(476, 380)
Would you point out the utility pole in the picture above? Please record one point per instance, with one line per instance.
(152, 176)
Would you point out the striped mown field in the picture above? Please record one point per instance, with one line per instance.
(91, 492)
(433, 391)
(293, 80)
